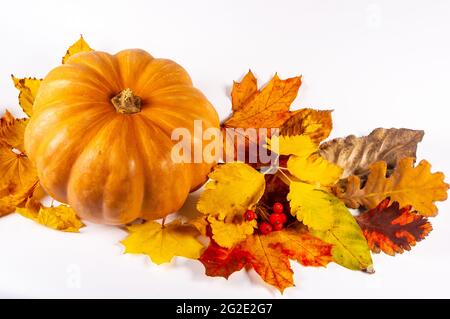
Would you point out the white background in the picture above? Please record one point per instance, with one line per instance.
(376, 63)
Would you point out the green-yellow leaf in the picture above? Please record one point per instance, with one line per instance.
(234, 188)
(162, 243)
(79, 46)
(328, 219)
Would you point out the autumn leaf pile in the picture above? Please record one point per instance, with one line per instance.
(315, 183)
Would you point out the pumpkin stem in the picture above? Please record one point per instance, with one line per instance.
(126, 102)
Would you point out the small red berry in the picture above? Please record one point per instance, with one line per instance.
(278, 208)
(283, 218)
(278, 227)
(265, 228)
(249, 215)
(276, 219)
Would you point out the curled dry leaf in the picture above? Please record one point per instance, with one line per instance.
(79, 46)
(392, 229)
(234, 188)
(356, 154)
(163, 242)
(328, 219)
(28, 88)
(407, 185)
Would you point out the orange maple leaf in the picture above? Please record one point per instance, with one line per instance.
(266, 109)
(268, 255)
(393, 230)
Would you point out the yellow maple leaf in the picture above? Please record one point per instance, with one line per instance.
(60, 217)
(234, 188)
(269, 108)
(227, 234)
(407, 185)
(314, 169)
(79, 46)
(313, 123)
(28, 88)
(12, 130)
(243, 91)
(300, 145)
(162, 243)
(328, 219)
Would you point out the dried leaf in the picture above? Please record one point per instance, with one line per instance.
(314, 169)
(77, 47)
(28, 88)
(313, 123)
(391, 229)
(162, 243)
(228, 234)
(328, 219)
(356, 154)
(62, 217)
(234, 188)
(269, 108)
(407, 185)
(12, 131)
(243, 91)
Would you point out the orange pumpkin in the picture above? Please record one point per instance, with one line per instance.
(100, 135)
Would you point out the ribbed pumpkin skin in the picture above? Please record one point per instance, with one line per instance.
(110, 167)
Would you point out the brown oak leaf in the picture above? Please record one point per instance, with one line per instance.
(392, 229)
(356, 154)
